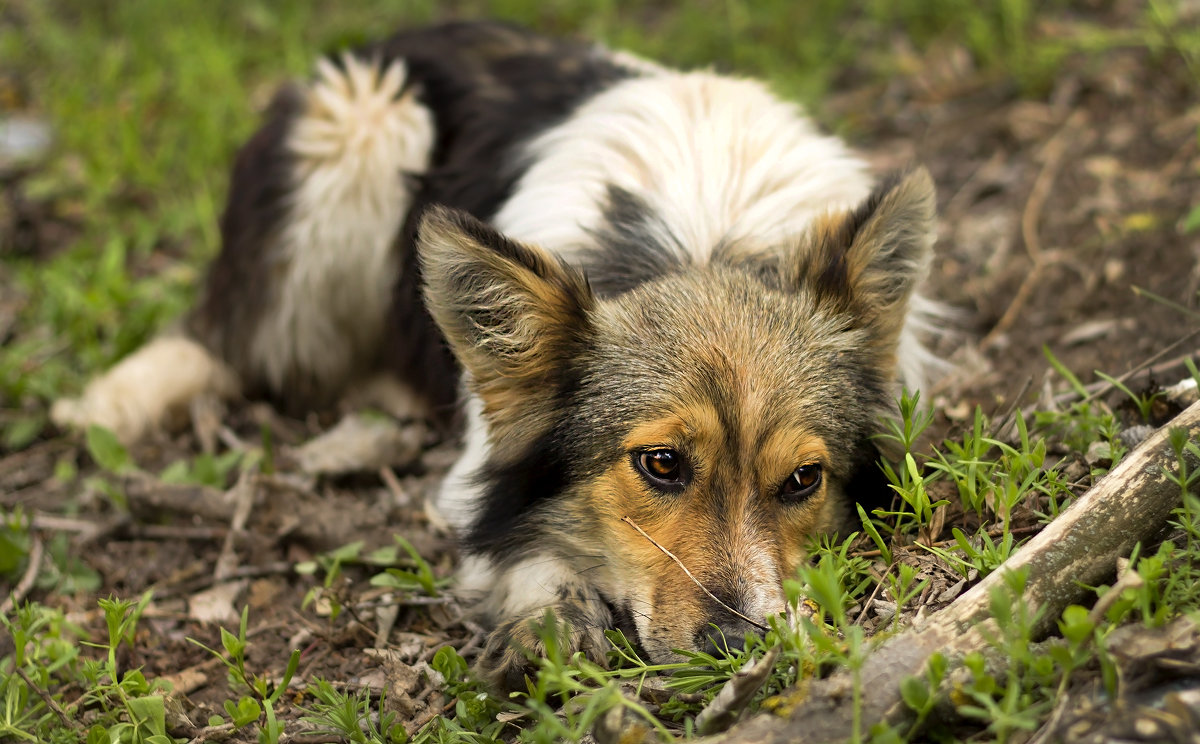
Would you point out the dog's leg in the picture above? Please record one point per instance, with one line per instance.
(520, 596)
(148, 388)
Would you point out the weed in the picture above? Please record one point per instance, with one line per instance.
(262, 694)
(905, 588)
(352, 716)
(1144, 402)
(416, 576)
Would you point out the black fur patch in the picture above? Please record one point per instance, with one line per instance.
(233, 299)
(511, 491)
(633, 246)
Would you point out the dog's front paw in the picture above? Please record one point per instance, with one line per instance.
(513, 648)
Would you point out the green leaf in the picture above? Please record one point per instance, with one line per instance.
(233, 645)
(915, 693)
(107, 450)
(150, 712)
(1191, 223)
(246, 711)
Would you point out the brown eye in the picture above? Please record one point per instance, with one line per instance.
(802, 483)
(663, 469)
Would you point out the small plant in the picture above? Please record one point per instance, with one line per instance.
(419, 578)
(352, 716)
(905, 588)
(263, 694)
(1144, 402)
(1014, 699)
(983, 554)
(824, 584)
(1084, 422)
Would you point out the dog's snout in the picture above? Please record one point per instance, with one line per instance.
(723, 636)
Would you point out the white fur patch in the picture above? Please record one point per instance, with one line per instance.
(459, 495)
(523, 589)
(147, 388)
(360, 138)
(717, 159)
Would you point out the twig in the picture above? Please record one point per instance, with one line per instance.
(871, 599)
(414, 726)
(45, 696)
(1030, 216)
(36, 549)
(1102, 387)
(242, 495)
(696, 581)
(399, 496)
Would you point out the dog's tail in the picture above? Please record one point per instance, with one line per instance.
(297, 300)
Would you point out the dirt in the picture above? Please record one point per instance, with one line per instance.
(1077, 196)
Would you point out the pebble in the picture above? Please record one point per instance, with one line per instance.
(23, 139)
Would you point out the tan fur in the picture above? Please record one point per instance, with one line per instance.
(876, 284)
(148, 389)
(707, 541)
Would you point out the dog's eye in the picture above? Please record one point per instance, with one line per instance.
(802, 483)
(662, 468)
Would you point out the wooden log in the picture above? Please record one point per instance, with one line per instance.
(1129, 505)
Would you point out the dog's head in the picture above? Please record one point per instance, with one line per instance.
(724, 409)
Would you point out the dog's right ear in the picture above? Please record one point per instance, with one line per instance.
(512, 313)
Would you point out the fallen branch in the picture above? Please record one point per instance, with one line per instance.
(1080, 548)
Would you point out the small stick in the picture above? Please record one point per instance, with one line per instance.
(242, 494)
(871, 599)
(399, 496)
(1054, 150)
(696, 581)
(45, 696)
(26, 583)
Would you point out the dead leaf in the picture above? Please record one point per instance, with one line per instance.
(733, 698)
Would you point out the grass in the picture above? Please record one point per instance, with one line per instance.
(148, 101)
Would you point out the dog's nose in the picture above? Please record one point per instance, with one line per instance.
(723, 637)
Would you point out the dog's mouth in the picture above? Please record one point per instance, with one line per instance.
(622, 620)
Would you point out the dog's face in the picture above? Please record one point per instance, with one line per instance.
(717, 413)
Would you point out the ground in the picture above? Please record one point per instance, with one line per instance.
(1067, 198)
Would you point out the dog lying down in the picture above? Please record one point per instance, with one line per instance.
(662, 297)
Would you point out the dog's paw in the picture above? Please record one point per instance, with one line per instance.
(147, 390)
(513, 648)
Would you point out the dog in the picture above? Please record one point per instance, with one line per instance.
(672, 310)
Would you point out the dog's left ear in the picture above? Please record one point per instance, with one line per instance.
(868, 261)
(512, 313)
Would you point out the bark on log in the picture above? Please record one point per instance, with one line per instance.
(1129, 505)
